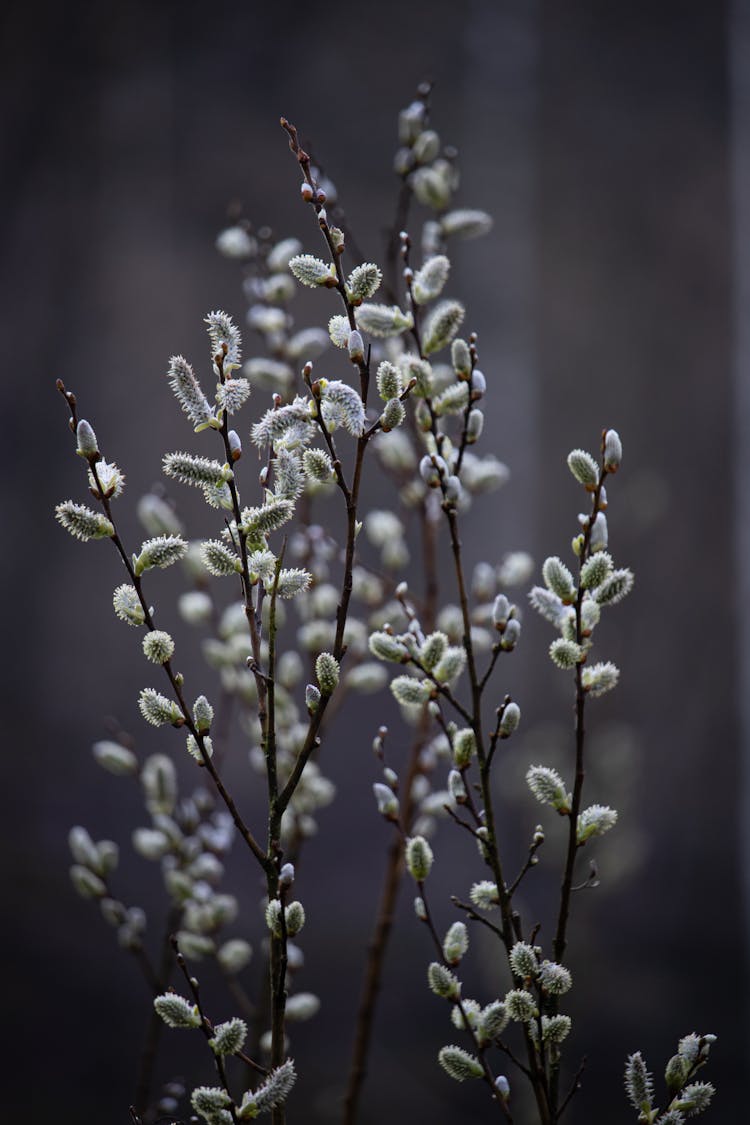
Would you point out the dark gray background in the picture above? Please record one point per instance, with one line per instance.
(604, 139)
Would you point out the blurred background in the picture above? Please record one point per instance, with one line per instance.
(611, 143)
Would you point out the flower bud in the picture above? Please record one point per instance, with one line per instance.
(584, 468)
(419, 858)
(510, 720)
(612, 451)
(87, 446)
(356, 347)
(327, 672)
(442, 982)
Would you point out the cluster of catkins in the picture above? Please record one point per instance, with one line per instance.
(415, 404)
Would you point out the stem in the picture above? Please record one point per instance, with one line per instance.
(379, 943)
(156, 1023)
(566, 889)
(580, 739)
(373, 975)
(278, 959)
(206, 1027)
(394, 871)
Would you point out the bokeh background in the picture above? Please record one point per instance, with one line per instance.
(612, 145)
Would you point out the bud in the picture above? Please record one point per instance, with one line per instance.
(614, 588)
(455, 943)
(387, 800)
(450, 665)
(295, 918)
(598, 679)
(465, 223)
(86, 882)
(229, 1037)
(502, 1085)
(638, 1083)
(159, 781)
(464, 747)
(409, 691)
(432, 650)
(595, 821)
(548, 787)
(584, 468)
(442, 325)
(389, 381)
(327, 672)
(151, 843)
(555, 1028)
(442, 981)
(218, 559)
(485, 895)
(520, 1005)
(163, 551)
(235, 445)
(426, 146)
(474, 426)
(83, 849)
(492, 1021)
(554, 979)
(195, 607)
(456, 787)
(599, 536)
(612, 451)
(429, 470)
(203, 713)
(87, 446)
(273, 1092)
(559, 580)
(392, 416)
(302, 1006)
(157, 709)
(115, 758)
(82, 522)
(595, 570)
(210, 1102)
(234, 955)
(478, 385)
(695, 1098)
(356, 347)
(429, 282)
(459, 1064)
(158, 646)
(312, 271)
(312, 698)
(176, 1011)
(383, 321)
(419, 858)
(676, 1073)
(510, 720)
(362, 283)
(566, 654)
(523, 960)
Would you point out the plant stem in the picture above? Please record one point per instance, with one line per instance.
(377, 948)
(144, 1084)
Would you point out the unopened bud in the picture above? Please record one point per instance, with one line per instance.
(356, 347)
(235, 445)
(87, 444)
